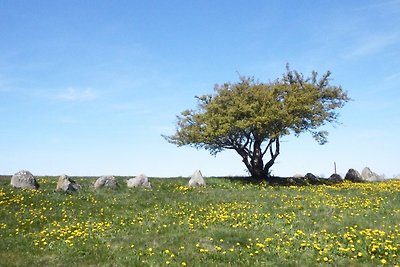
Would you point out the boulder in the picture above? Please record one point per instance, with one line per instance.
(354, 176)
(24, 179)
(139, 181)
(197, 179)
(312, 179)
(336, 178)
(370, 176)
(66, 184)
(296, 181)
(106, 181)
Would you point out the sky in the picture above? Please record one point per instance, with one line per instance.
(89, 87)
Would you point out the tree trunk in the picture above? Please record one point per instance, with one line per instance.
(254, 159)
(256, 165)
(258, 173)
(274, 155)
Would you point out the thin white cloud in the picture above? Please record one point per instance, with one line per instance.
(68, 120)
(395, 76)
(381, 4)
(5, 84)
(77, 95)
(372, 45)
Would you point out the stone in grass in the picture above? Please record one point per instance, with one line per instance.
(24, 179)
(298, 175)
(312, 179)
(66, 184)
(336, 178)
(370, 176)
(197, 179)
(353, 176)
(139, 181)
(106, 181)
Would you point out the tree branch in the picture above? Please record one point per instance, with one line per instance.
(268, 146)
(274, 155)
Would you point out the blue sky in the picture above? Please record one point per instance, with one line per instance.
(88, 87)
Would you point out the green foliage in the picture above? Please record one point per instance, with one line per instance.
(227, 223)
(250, 116)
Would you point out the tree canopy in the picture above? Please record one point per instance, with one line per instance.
(250, 116)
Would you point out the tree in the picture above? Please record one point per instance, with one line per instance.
(251, 117)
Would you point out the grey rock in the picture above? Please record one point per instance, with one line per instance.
(24, 179)
(66, 184)
(370, 176)
(106, 181)
(354, 176)
(139, 181)
(296, 181)
(197, 179)
(312, 179)
(336, 178)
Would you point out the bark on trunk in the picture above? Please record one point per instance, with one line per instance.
(252, 157)
(256, 165)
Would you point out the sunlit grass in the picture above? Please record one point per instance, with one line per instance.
(227, 223)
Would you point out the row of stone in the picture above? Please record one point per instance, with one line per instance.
(352, 175)
(25, 179)
(366, 176)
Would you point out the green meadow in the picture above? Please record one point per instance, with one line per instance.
(228, 223)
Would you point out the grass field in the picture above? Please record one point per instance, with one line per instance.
(227, 223)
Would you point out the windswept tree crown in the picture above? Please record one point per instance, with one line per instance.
(250, 116)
